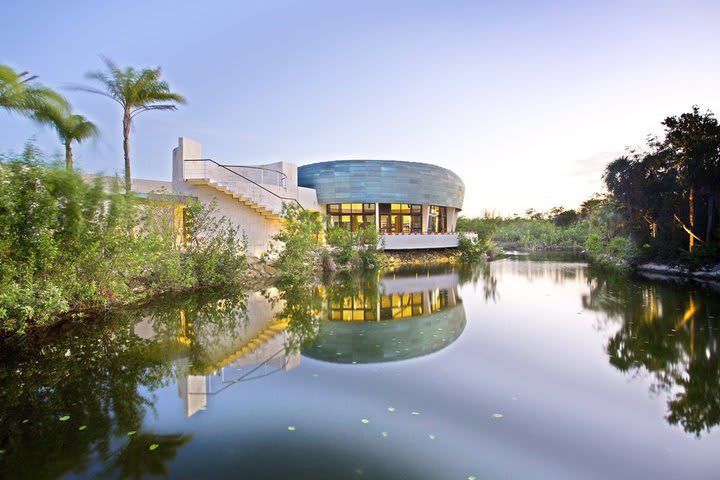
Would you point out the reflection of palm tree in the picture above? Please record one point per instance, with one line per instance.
(137, 461)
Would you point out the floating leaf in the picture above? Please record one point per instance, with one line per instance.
(415, 413)
(472, 477)
(431, 436)
(82, 427)
(153, 446)
(384, 434)
(25, 421)
(365, 420)
(497, 415)
(291, 428)
(131, 433)
(64, 418)
(391, 409)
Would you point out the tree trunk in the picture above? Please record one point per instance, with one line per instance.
(126, 149)
(710, 217)
(68, 157)
(691, 214)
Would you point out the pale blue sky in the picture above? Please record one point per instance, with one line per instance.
(526, 101)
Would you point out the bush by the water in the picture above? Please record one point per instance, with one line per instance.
(68, 245)
(355, 249)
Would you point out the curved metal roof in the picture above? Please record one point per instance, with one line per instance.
(382, 181)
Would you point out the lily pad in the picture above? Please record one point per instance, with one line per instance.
(291, 428)
(364, 420)
(64, 418)
(472, 477)
(384, 434)
(25, 421)
(431, 436)
(82, 427)
(497, 415)
(415, 413)
(391, 409)
(131, 433)
(153, 446)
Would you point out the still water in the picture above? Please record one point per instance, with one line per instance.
(529, 367)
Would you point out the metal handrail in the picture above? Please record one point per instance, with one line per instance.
(245, 178)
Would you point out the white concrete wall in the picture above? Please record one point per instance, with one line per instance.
(258, 229)
(407, 241)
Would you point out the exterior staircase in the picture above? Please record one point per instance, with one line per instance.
(252, 345)
(266, 199)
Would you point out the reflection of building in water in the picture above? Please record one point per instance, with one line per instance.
(412, 314)
(244, 345)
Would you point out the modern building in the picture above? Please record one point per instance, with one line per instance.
(412, 205)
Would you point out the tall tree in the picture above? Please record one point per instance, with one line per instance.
(695, 138)
(20, 93)
(136, 91)
(70, 128)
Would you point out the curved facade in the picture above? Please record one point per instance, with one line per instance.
(382, 181)
(397, 198)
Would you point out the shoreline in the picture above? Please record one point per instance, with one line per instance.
(709, 272)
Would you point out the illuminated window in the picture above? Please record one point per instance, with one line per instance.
(400, 218)
(351, 216)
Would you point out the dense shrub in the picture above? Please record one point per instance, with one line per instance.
(359, 249)
(66, 244)
(300, 237)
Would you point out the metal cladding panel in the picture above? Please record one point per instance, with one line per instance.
(382, 181)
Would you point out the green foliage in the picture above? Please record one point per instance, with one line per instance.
(67, 245)
(300, 237)
(614, 252)
(703, 255)
(355, 250)
(343, 242)
(672, 188)
(212, 251)
(20, 93)
(473, 250)
(526, 233)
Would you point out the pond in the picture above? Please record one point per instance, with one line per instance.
(527, 367)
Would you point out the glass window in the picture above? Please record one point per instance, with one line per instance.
(400, 218)
(437, 219)
(351, 215)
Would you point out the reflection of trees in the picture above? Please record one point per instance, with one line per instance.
(92, 372)
(302, 304)
(480, 273)
(137, 461)
(193, 324)
(670, 333)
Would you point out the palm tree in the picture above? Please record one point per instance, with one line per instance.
(19, 93)
(136, 91)
(69, 128)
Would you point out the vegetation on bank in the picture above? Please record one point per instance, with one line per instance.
(66, 245)
(668, 194)
(663, 205)
(305, 254)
